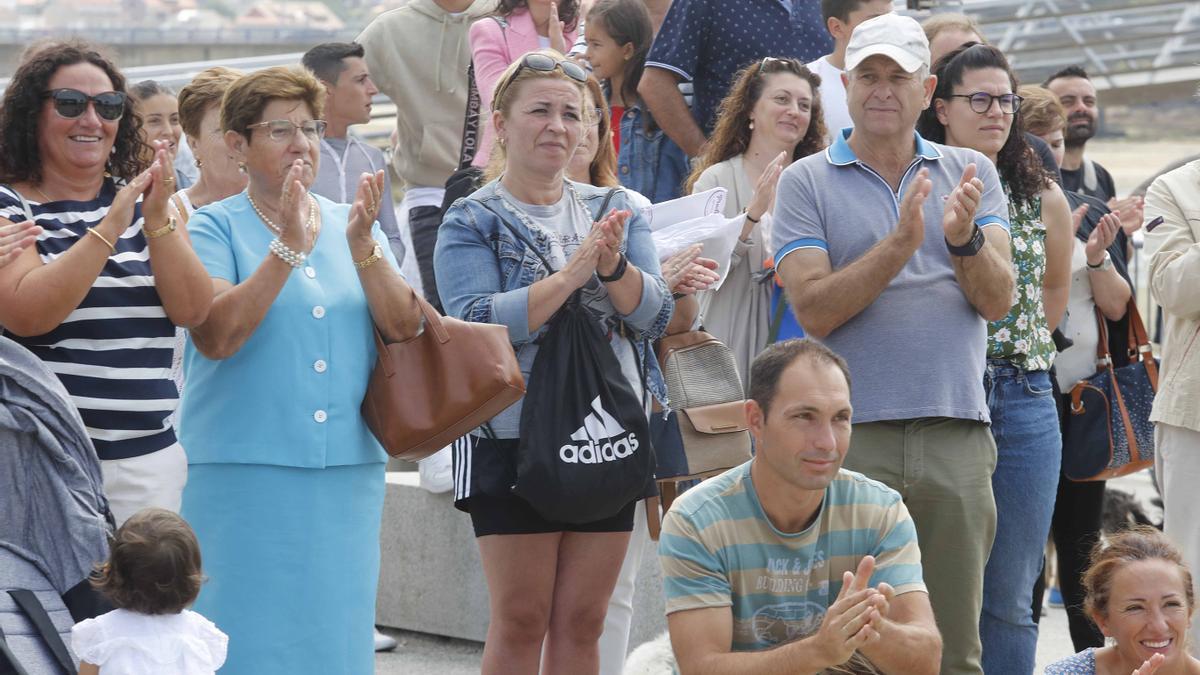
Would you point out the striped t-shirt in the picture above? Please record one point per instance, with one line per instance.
(113, 352)
(719, 549)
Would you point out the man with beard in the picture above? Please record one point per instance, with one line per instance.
(1075, 91)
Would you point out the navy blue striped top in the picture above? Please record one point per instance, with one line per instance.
(113, 353)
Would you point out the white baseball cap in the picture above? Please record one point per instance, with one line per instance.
(898, 37)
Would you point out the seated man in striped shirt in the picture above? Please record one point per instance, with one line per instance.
(790, 563)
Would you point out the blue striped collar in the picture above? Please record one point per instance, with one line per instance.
(840, 153)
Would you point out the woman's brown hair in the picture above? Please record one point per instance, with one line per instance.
(249, 95)
(731, 137)
(204, 91)
(1041, 112)
(603, 169)
(153, 566)
(20, 160)
(1108, 557)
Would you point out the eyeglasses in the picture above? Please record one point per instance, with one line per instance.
(771, 59)
(981, 102)
(542, 64)
(596, 115)
(282, 131)
(71, 103)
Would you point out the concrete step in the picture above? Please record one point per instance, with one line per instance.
(430, 579)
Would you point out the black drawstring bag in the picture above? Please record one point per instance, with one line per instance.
(584, 452)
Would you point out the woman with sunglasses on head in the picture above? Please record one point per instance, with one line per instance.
(975, 106)
(112, 274)
(770, 118)
(286, 481)
(516, 28)
(548, 581)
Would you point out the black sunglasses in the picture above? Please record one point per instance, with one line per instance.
(542, 64)
(71, 103)
(771, 59)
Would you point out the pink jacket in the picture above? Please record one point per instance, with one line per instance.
(493, 47)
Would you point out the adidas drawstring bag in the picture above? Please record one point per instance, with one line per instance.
(584, 452)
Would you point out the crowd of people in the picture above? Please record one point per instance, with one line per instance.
(208, 274)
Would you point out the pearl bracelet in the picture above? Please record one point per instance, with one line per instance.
(280, 250)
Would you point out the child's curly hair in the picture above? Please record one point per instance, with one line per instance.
(154, 565)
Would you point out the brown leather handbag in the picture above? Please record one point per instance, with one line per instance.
(438, 386)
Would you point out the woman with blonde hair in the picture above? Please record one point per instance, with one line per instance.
(287, 483)
(515, 252)
(770, 118)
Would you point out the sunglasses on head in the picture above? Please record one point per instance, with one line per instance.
(71, 103)
(771, 59)
(543, 64)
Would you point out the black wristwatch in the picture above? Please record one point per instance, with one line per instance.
(617, 273)
(975, 245)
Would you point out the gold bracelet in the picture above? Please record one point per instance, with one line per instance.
(376, 256)
(92, 230)
(162, 231)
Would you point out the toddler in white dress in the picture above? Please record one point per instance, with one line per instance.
(152, 575)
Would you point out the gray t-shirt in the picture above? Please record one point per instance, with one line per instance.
(567, 222)
(920, 349)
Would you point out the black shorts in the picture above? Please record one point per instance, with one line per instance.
(483, 471)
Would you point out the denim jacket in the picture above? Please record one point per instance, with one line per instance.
(484, 274)
(649, 162)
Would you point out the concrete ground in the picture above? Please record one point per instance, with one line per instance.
(422, 654)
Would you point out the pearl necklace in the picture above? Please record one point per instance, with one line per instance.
(309, 225)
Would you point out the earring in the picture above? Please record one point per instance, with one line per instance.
(199, 163)
(242, 167)
(751, 125)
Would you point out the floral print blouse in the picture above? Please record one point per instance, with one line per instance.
(1023, 337)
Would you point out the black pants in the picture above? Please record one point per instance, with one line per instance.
(1075, 526)
(423, 222)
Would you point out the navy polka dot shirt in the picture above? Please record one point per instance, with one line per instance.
(707, 41)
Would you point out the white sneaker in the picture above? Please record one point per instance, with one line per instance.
(384, 643)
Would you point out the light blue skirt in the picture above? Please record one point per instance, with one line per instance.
(292, 561)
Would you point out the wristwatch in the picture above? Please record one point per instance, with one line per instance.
(975, 245)
(1105, 264)
(617, 273)
(376, 255)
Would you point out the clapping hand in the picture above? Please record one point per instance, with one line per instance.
(959, 219)
(1102, 237)
(912, 209)
(161, 186)
(363, 213)
(1131, 208)
(686, 272)
(853, 621)
(16, 237)
(556, 31)
(612, 229)
(292, 200)
(1150, 665)
(764, 192)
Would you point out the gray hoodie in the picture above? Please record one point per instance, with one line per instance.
(418, 56)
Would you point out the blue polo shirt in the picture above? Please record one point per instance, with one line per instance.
(291, 395)
(919, 350)
(707, 41)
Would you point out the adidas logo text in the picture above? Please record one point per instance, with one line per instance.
(603, 439)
